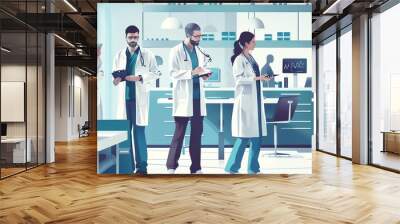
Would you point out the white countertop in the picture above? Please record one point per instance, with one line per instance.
(218, 100)
(106, 139)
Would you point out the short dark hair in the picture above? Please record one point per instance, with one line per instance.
(190, 28)
(131, 29)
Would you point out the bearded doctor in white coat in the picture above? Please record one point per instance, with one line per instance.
(134, 69)
(248, 115)
(186, 62)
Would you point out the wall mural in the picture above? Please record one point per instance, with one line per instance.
(204, 88)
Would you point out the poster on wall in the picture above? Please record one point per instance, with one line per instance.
(199, 88)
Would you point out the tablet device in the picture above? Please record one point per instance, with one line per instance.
(205, 74)
(120, 74)
(271, 76)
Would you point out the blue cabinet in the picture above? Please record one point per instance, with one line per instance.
(161, 123)
(298, 133)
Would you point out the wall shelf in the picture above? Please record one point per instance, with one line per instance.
(229, 43)
(228, 8)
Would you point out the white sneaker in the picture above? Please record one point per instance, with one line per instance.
(198, 172)
(171, 171)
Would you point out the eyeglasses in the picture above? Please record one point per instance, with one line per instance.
(134, 37)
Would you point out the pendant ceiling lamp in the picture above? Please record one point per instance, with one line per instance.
(171, 23)
(255, 23)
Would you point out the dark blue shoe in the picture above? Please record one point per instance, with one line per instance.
(141, 172)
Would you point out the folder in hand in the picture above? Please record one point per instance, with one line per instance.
(120, 74)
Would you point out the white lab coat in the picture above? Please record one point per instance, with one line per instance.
(182, 83)
(245, 111)
(149, 72)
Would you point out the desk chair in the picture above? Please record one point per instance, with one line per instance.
(284, 112)
(84, 130)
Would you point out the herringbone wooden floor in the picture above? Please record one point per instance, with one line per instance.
(70, 191)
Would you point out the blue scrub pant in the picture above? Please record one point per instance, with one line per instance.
(139, 137)
(235, 159)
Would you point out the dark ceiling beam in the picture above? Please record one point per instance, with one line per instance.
(86, 26)
(319, 23)
(337, 7)
(14, 17)
(91, 5)
(78, 61)
(80, 20)
(53, 23)
(332, 29)
(339, 16)
(86, 51)
(49, 22)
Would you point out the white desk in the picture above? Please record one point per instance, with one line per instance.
(219, 101)
(19, 154)
(107, 140)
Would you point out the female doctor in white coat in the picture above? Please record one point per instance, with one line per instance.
(248, 116)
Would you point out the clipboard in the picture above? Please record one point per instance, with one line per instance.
(207, 72)
(120, 74)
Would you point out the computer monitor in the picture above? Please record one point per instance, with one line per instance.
(294, 65)
(3, 129)
(216, 75)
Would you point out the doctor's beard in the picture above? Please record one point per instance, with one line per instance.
(194, 43)
(132, 44)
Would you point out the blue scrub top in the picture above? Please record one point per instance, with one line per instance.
(256, 70)
(130, 93)
(195, 64)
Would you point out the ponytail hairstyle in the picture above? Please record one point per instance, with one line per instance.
(245, 37)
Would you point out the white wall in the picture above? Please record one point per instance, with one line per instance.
(61, 103)
(279, 54)
(33, 126)
(299, 26)
(81, 84)
(70, 83)
(15, 73)
(297, 23)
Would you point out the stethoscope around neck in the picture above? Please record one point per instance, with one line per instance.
(141, 57)
(194, 47)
